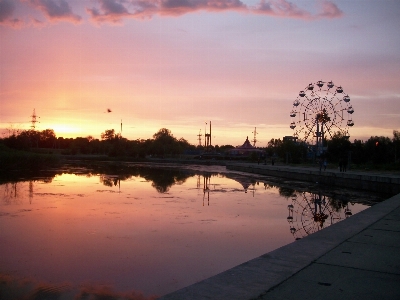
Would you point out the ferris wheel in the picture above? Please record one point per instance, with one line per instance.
(320, 111)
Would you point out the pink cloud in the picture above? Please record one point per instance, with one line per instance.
(179, 7)
(56, 10)
(264, 7)
(281, 8)
(110, 11)
(284, 8)
(116, 10)
(7, 8)
(329, 10)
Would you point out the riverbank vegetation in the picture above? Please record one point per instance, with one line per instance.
(32, 149)
(13, 159)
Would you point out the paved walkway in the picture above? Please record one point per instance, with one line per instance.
(365, 264)
(357, 258)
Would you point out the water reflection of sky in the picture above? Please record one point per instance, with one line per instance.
(147, 232)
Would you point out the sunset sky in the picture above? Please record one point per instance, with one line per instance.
(180, 63)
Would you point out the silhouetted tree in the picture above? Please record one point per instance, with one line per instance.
(47, 139)
(224, 148)
(294, 151)
(396, 145)
(163, 134)
(108, 135)
(165, 143)
(379, 149)
(358, 152)
(274, 147)
(338, 146)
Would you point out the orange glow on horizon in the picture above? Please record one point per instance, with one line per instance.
(65, 130)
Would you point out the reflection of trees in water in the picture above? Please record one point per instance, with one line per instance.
(338, 202)
(112, 180)
(162, 178)
(108, 181)
(45, 176)
(112, 174)
(286, 191)
(30, 191)
(15, 192)
(46, 179)
(10, 193)
(12, 186)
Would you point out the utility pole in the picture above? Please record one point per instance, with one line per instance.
(199, 137)
(207, 138)
(210, 133)
(255, 136)
(34, 120)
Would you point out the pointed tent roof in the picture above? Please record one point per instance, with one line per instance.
(245, 149)
(246, 145)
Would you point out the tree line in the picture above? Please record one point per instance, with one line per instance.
(111, 143)
(376, 150)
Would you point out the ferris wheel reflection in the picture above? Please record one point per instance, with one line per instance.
(310, 212)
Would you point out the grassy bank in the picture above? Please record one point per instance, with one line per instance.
(11, 159)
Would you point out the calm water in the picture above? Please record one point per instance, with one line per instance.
(125, 231)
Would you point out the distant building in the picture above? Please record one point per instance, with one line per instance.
(290, 138)
(245, 150)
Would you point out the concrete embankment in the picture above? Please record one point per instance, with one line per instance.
(383, 182)
(356, 258)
